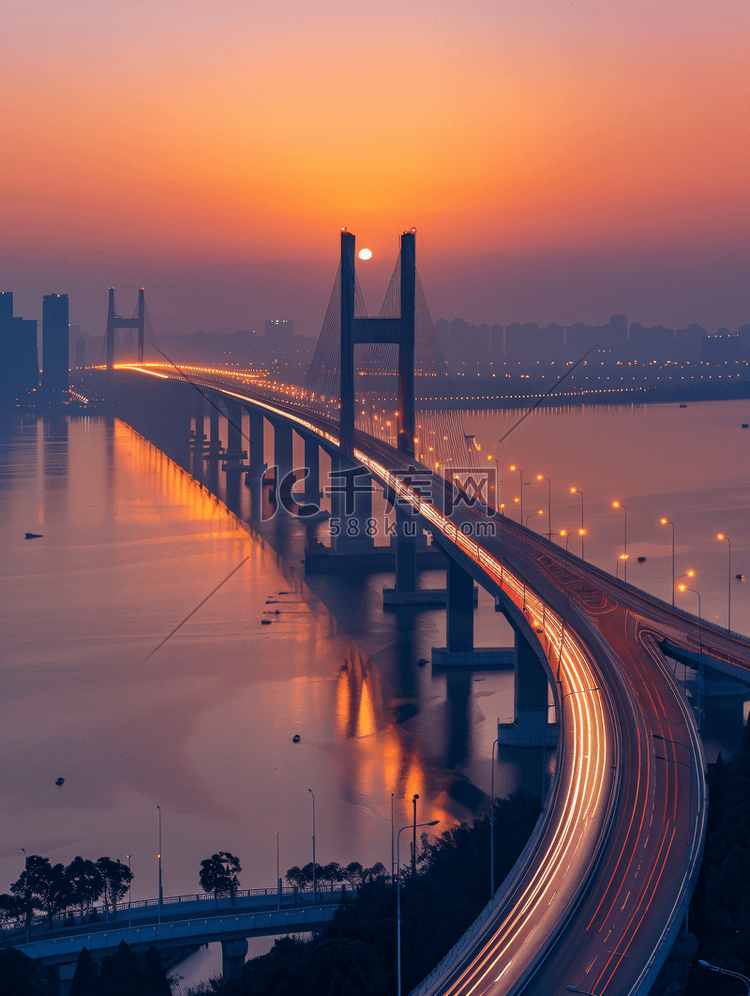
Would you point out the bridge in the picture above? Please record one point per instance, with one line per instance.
(185, 921)
(601, 891)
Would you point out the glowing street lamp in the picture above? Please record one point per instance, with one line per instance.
(619, 504)
(520, 481)
(581, 531)
(684, 587)
(408, 826)
(668, 522)
(721, 536)
(526, 551)
(541, 477)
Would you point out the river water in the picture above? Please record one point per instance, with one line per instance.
(202, 724)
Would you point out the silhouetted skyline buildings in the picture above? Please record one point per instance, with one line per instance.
(55, 351)
(526, 344)
(19, 365)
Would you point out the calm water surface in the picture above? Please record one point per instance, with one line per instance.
(203, 724)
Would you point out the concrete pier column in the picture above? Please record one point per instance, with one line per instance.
(530, 686)
(282, 449)
(256, 459)
(406, 551)
(312, 462)
(459, 615)
(233, 955)
(351, 506)
(214, 439)
(65, 975)
(234, 429)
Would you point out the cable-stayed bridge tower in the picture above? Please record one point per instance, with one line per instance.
(115, 321)
(384, 331)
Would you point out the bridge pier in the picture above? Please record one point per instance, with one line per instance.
(312, 462)
(63, 976)
(349, 522)
(256, 460)
(283, 449)
(233, 954)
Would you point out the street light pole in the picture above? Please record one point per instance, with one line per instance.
(315, 867)
(520, 478)
(576, 491)
(668, 522)
(278, 874)
(619, 504)
(434, 823)
(414, 844)
(525, 552)
(725, 971)
(721, 536)
(129, 856)
(393, 843)
(492, 823)
(161, 897)
(541, 477)
(684, 587)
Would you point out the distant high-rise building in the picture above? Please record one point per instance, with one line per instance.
(19, 367)
(55, 343)
(279, 332)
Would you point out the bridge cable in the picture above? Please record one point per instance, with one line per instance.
(200, 604)
(202, 393)
(547, 393)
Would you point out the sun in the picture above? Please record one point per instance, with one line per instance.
(365, 254)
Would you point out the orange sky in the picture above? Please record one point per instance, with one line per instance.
(549, 153)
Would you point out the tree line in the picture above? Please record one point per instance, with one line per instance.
(356, 954)
(56, 890)
(334, 874)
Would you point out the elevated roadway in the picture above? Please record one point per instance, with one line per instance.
(599, 894)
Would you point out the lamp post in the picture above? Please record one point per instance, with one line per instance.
(684, 587)
(526, 551)
(619, 504)
(541, 477)
(434, 823)
(278, 875)
(129, 856)
(414, 842)
(28, 920)
(492, 822)
(393, 843)
(161, 897)
(520, 479)
(721, 536)
(725, 971)
(315, 867)
(582, 532)
(668, 522)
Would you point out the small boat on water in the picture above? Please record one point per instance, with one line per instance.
(34, 535)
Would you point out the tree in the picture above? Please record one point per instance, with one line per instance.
(11, 912)
(355, 873)
(154, 980)
(20, 975)
(41, 886)
(219, 875)
(116, 877)
(332, 873)
(295, 877)
(85, 884)
(84, 980)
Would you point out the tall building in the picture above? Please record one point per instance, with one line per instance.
(19, 367)
(55, 360)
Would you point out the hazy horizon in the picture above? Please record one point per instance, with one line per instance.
(561, 162)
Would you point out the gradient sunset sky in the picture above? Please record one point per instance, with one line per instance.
(561, 160)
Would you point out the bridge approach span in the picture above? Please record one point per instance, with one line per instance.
(597, 898)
